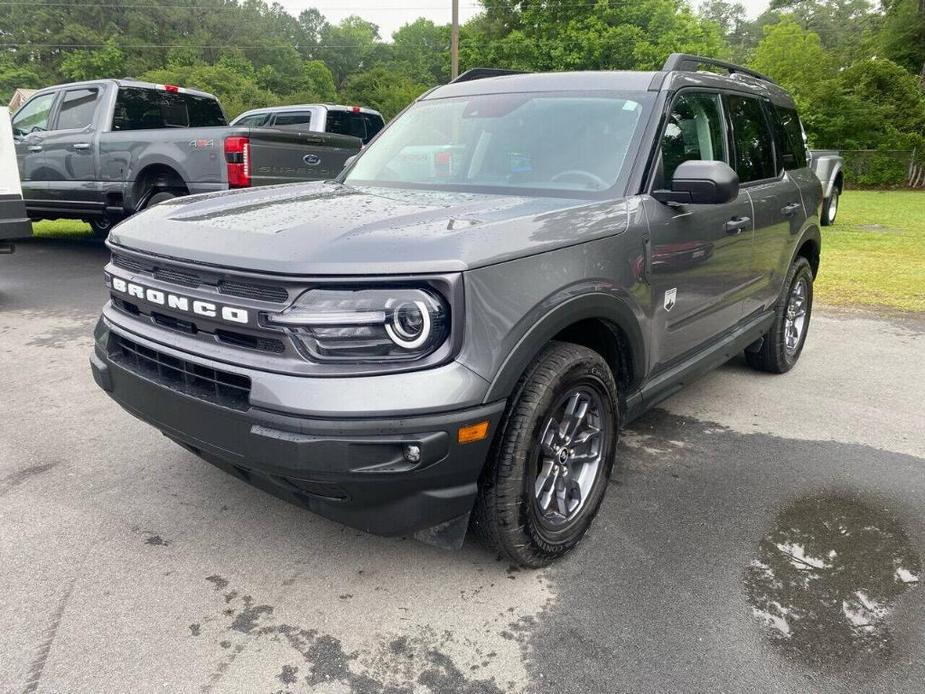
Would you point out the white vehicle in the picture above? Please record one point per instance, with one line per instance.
(356, 121)
(14, 224)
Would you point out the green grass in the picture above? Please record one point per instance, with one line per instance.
(874, 254)
(61, 228)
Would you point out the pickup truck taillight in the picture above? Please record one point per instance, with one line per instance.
(238, 160)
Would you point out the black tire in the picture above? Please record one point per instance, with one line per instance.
(507, 514)
(159, 197)
(830, 207)
(776, 355)
(100, 226)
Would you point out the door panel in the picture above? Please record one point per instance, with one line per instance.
(71, 157)
(30, 127)
(779, 217)
(700, 257)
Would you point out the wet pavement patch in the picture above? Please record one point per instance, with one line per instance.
(392, 665)
(826, 579)
(710, 537)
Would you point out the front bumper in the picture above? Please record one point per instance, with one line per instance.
(349, 468)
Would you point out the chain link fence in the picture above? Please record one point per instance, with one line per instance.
(884, 167)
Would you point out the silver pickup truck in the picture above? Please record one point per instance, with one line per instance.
(104, 149)
(827, 164)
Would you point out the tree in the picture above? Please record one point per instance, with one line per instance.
(421, 48)
(903, 35)
(347, 47)
(108, 61)
(384, 88)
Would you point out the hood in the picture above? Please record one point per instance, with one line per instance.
(331, 229)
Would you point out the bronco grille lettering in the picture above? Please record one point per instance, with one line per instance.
(199, 307)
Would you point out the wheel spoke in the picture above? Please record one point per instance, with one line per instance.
(546, 478)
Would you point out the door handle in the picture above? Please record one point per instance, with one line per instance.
(737, 224)
(81, 145)
(34, 148)
(788, 210)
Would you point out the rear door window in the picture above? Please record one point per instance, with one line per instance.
(77, 108)
(347, 123)
(754, 151)
(33, 117)
(254, 121)
(374, 124)
(694, 131)
(293, 118)
(138, 108)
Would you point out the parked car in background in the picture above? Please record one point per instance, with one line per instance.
(828, 166)
(457, 327)
(14, 224)
(356, 121)
(104, 149)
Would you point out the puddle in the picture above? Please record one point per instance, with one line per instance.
(826, 579)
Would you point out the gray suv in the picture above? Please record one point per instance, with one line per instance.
(452, 333)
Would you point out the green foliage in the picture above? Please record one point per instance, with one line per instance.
(251, 53)
(384, 88)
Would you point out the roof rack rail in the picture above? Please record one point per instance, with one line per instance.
(478, 73)
(685, 62)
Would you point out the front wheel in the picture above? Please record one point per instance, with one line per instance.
(784, 342)
(100, 226)
(830, 208)
(552, 458)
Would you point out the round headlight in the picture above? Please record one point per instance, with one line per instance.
(409, 324)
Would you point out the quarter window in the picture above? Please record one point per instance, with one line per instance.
(77, 109)
(694, 132)
(33, 117)
(754, 153)
(790, 137)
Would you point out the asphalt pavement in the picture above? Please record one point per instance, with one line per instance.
(763, 534)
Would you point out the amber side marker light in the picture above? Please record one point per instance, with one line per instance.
(473, 432)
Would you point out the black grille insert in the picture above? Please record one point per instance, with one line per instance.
(129, 263)
(202, 382)
(261, 292)
(187, 279)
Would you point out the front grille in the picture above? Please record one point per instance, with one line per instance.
(261, 292)
(128, 263)
(202, 382)
(187, 279)
(190, 278)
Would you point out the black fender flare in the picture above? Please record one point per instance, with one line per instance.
(598, 305)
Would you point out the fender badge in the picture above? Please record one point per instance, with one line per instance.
(670, 298)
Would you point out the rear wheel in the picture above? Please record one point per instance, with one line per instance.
(782, 346)
(552, 458)
(830, 208)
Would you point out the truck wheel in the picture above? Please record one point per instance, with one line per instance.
(159, 197)
(830, 208)
(784, 342)
(552, 457)
(100, 226)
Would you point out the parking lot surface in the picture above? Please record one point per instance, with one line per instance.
(764, 533)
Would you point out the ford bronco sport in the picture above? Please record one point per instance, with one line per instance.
(452, 333)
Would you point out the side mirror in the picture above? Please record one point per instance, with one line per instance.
(698, 182)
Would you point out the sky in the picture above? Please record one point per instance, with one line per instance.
(389, 15)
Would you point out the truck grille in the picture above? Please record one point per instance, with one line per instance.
(261, 292)
(201, 382)
(191, 278)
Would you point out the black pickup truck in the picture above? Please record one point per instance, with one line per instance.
(102, 150)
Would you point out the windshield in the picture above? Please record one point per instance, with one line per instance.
(545, 143)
